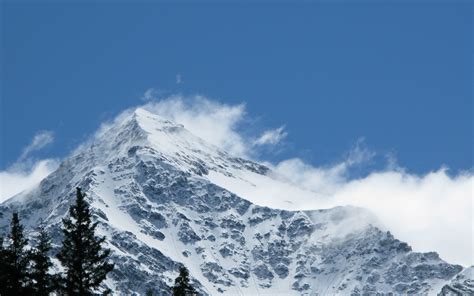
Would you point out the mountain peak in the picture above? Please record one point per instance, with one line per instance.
(153, 137)
(164, 197)
(150, 121)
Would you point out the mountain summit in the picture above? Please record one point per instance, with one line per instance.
(164, 198)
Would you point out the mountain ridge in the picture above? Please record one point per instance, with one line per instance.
(150, 184)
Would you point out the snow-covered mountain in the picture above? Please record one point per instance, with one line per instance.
(462, 284)
(164, 197)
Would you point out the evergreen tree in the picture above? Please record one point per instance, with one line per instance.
(3, 268)
(82, 255)
(149, 292)
(17, 260)
(43, 282)
(182, 287)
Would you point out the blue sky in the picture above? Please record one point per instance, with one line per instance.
(353, 86)
(397, 75)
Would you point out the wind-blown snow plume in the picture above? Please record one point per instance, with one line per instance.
(214, 122)
(14, 180)
(26, 171)
(40, 140)
(272, 137)
(150, 185)
(433, 211)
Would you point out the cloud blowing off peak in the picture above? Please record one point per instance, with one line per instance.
(431, 212)
(27, 171)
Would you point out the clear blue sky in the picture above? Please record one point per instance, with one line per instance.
(399, 75)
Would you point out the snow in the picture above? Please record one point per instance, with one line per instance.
(161, 193)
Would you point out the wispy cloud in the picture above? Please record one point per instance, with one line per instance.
(149, 94)
(14, 181)
(323, 180)
(358, 154)
(179, 79)
(40, 140)
(214, 122)
(271, 137)
(27, 171)
(217, 123)
(433, 211)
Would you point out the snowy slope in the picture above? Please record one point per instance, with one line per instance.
(164, 197)
(462, 284)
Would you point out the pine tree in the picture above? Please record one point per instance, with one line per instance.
(149, 292)
(82, 255)
(17, 260)
(182, 287)
(43, 281)
(3, 268)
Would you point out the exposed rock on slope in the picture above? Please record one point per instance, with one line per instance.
(461, 285)
(146, 179)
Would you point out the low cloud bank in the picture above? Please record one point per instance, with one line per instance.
(433, 212)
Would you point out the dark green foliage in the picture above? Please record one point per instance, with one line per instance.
(182, 287)
(3, 268)
(82, 255)
(43, 282)
(149, 292)
(16, 261)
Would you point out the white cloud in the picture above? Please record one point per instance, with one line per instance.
(217, 123)
(179, 80)
(150, 94)
(432, 212)
(214, 122)
(13, 181)
(40, 140)
(27, 172)
(324, 180)
(359, 154)
(271, 137)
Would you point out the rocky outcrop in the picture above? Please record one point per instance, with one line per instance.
(145, 180)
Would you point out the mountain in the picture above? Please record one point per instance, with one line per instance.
(462, 284)
(164, 197)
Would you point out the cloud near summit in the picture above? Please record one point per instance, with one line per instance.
(217, 123)
(432, 212)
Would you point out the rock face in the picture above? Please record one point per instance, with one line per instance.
(461, 285)
(146, 181)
